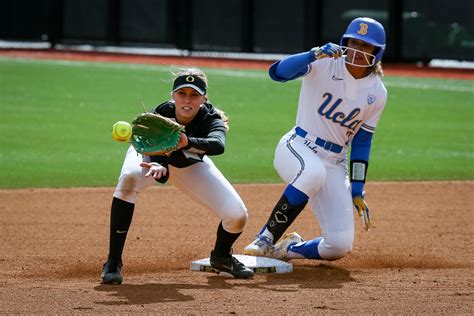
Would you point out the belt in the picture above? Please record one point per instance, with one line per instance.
(335, 148)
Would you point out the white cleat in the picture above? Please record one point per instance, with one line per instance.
(280, 250)
(259, 247)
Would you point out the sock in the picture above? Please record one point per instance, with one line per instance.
(121, 214)
(307, 249)
(265, 232)
(295, 196)
(282, 217)
(224, 241)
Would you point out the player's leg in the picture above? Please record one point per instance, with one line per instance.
(333, 208)
(131, 181)
(204, 183)
(304, 172)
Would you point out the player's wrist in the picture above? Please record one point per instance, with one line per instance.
(357, 189)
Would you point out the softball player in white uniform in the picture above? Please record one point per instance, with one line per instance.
(190, 169)
(341, 100)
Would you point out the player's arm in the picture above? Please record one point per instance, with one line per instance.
(291, 67)
(359, 162)
(298, 65)
(211, 145)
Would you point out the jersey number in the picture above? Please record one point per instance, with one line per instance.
(363, 29)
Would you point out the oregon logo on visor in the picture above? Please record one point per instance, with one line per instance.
(190, 81)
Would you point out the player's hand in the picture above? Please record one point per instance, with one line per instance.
(328, 50)
(155, 169)
(183, 141)
(363, 211)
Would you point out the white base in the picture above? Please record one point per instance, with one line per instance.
(259, 265)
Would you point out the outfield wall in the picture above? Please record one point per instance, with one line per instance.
(419, 30)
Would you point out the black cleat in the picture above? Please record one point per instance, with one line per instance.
(112, 272)
(231, 265)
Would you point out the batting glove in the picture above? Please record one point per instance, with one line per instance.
(328, 50)
(363, 211)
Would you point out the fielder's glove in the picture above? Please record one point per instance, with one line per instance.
(363, 210)
(153, 134)
(328, 50)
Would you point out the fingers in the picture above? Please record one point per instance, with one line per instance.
(367, 219)
(329, 50)
(159, 173)
(363, 211)
(145, 165)
(364, 216)
(156, 170)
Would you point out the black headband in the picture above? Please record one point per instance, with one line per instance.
(190, 81)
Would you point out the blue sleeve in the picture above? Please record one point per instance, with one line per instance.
(360, 150)
(291, 67)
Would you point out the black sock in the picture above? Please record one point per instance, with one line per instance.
(283, 215)
(121, 214)
(224, 241)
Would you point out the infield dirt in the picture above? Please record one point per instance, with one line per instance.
(417, 259)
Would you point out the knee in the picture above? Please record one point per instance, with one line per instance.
(338, 246)
(129, 180)
(317, 175)
(235, 224)
(311, 180)
(128, 187)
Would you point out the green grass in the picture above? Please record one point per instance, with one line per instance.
(56, 118)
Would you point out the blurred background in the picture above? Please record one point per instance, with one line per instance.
(417, 31)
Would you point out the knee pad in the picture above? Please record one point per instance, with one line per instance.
(336, 245)
(235, 225)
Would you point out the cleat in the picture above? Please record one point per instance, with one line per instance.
(280, 250)
(112, 272)
(259, 247)
(230, 265)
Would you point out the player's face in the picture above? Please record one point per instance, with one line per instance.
(359, 58)
(187, 101)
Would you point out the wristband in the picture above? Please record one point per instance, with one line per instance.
(358, 170)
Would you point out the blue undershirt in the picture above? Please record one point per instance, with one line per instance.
(291, 67)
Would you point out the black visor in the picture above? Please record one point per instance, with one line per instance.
(189, 81)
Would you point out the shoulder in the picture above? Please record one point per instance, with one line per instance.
(381, 89)
(209, 112)
(166, 108)
(210, 118)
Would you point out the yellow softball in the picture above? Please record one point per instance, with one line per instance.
(122, 131)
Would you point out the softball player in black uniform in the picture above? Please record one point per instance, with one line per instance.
(190, 169)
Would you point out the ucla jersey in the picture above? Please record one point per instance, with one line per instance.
(333, 105)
